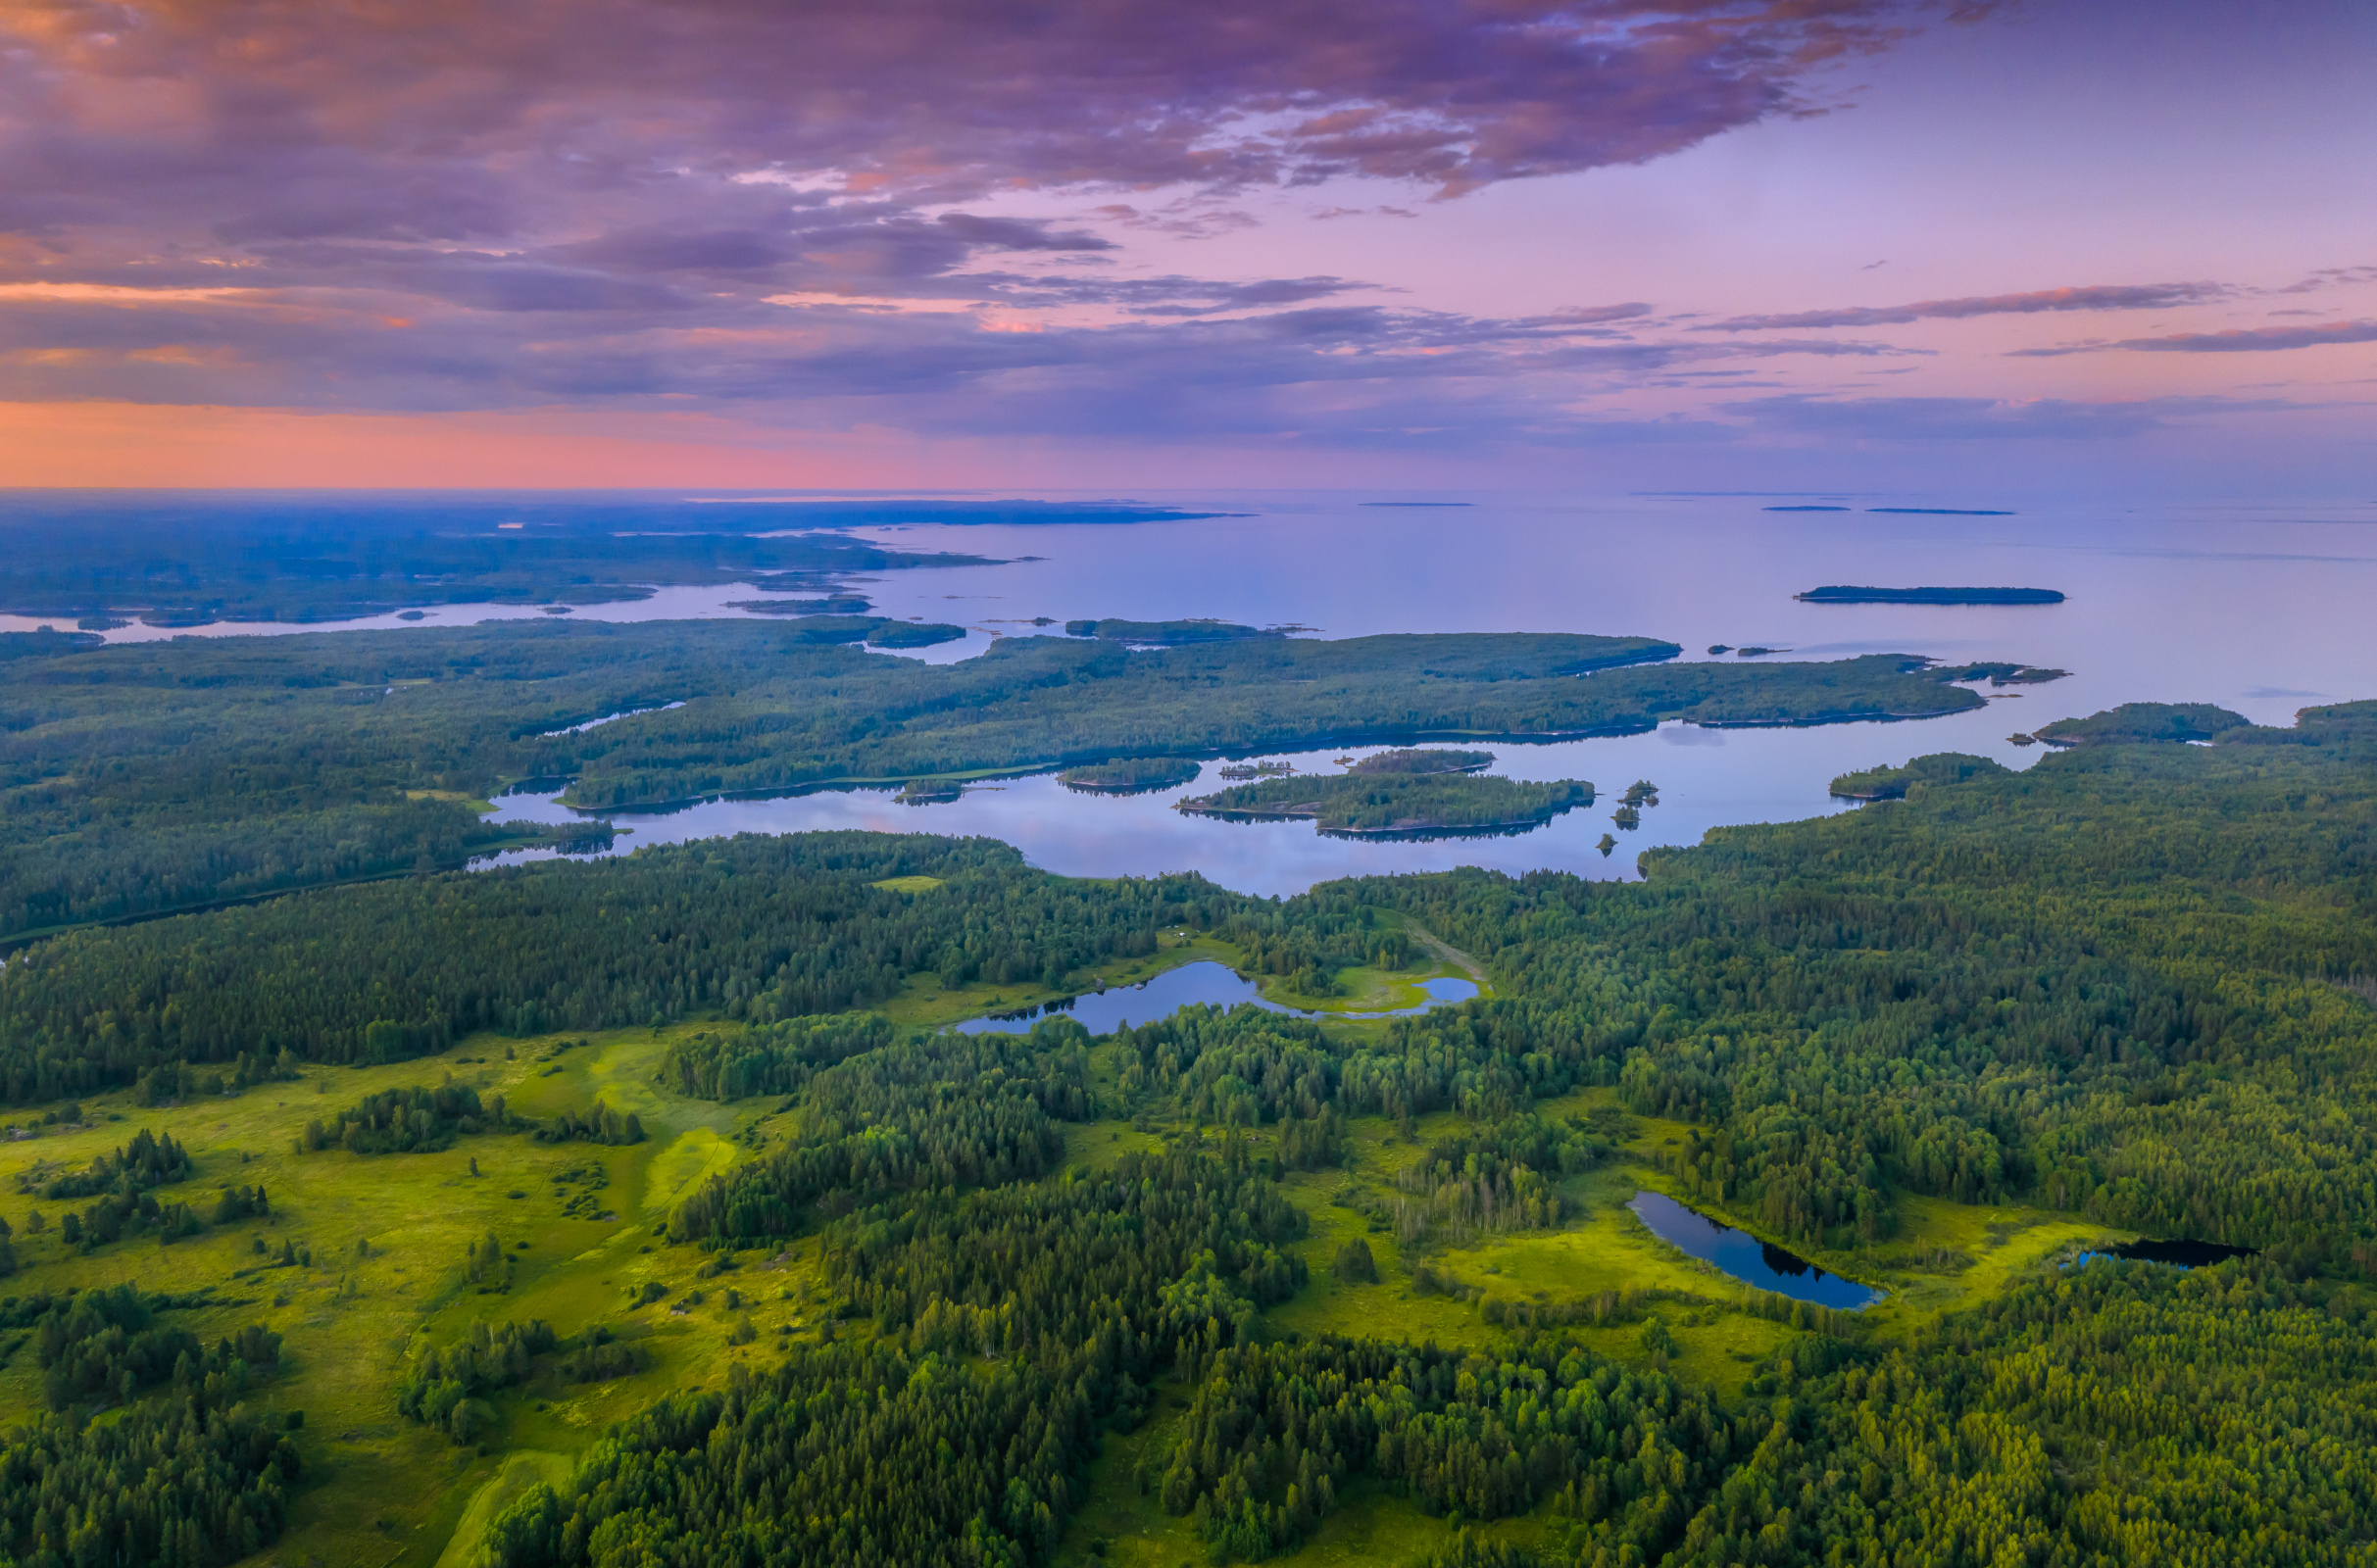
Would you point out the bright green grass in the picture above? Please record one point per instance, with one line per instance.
(382, 1491)
(907, 884)
(515, 1475)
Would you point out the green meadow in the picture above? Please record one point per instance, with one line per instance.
(388, 1235)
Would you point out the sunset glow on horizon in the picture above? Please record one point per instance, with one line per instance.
(960, 242)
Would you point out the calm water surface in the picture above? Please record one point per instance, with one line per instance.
(2174, 1254)
(2261, 608)
(1746, 1257)
(1214, 984)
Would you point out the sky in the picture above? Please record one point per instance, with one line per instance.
(2098, 247)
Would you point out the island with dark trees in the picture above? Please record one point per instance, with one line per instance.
(1417, 794)
(1169, 633)
(1930, 596)
(1137, 775)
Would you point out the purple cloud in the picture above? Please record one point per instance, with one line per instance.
(2241, 340)
(2096, 297)
(701, 203)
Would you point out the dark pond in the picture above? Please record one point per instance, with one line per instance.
(2178, 1254)
(1217, 984)
(1746, 1257)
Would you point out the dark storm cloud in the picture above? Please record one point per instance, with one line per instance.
(2098, 297)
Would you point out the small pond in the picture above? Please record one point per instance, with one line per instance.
(1746, 1257)
(1207, 982)
(2177, 1254)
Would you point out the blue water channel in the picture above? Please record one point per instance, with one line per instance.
(1746, 1257)
(1207, 982)
(2171, 1255)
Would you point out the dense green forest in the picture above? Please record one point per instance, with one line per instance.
(758, 928)
(899, 1295)
(149, 777)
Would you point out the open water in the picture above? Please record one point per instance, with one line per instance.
(1746, 1258)
(2261, 608)
(1192, 984)
(2258, 608)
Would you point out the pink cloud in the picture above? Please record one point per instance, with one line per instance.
(2096, 297)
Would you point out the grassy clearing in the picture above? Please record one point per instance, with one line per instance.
(382, 1491)
(514, 1475)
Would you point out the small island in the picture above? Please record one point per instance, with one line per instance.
(930, 790)
(830, 605)
(1169, 633)
(1837, 595)
(1423, 760)
(1417, 800)
(1133, 776)
(876, 631)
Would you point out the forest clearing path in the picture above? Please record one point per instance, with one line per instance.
(1445, 952)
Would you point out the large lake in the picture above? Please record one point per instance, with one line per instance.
(2260, 609)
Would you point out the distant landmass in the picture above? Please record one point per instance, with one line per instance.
(1942, 512)
(1171, 633)
(1839, 595)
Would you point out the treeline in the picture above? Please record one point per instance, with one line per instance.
(146, 777)
(904, 1448)
(732, 1062)
(447, 1387)
(604, 1124)
(756, 928)
(408, 1121)
(1273, 1433)
(147, 1161)
(108, 1345)
(2116, 1414)
(941, 1110)
(176, 1481)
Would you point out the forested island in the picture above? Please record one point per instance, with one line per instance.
(153, 776)
(1131, 775)
(1930, 596)
(585, 1213)
(1416, 794)
(1421, 761)
(1168, 633)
